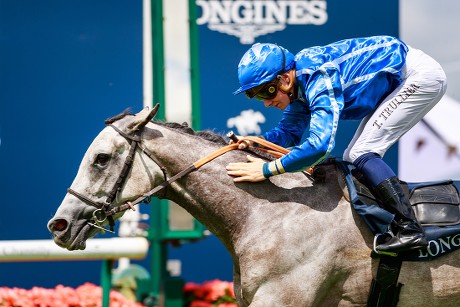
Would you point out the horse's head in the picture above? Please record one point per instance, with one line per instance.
(113, 172)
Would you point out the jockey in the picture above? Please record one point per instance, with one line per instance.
(379, 80)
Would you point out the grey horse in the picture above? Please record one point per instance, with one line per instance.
(294, 241)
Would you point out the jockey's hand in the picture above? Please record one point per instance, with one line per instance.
(247, 171)
(243, 145)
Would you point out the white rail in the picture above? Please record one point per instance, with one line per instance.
(96, 249)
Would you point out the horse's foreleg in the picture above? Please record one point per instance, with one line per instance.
(237, 289)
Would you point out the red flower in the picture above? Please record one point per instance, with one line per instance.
(84, 296)
(215, 289)
(195, 290)
(200, 304)
(213, 293)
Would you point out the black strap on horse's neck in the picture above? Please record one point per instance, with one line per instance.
(385, 288)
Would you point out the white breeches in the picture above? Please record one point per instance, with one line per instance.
(424, 83)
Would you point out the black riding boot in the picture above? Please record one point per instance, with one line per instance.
(408, 233)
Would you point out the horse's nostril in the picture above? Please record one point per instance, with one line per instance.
(59, 225)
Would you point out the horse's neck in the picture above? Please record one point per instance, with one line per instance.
(206, 193)
(212, 197)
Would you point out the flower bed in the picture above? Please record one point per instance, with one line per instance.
(214, 293)
(86, 295)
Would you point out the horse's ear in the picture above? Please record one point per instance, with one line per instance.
(143, 117)
(155, 110)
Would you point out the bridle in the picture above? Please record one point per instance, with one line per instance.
(105, 210)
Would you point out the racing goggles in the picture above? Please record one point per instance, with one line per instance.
(265, 91)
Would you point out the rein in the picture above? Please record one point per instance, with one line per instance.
(274, 149)
(105, 211)
(166, 183)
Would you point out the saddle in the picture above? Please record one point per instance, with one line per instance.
(436, 206)
(435, 203)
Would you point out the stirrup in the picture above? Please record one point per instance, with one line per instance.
(382, 238)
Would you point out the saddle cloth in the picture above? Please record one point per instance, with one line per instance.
(436, 205)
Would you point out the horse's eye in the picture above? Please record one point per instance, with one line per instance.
(102, 160)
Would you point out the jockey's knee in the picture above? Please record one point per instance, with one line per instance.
(352, 154)
(347, 155)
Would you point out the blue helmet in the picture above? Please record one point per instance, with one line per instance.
(263, 63)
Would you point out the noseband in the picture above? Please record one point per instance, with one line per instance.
(105, 210)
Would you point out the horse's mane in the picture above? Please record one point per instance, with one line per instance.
(213, 137)
(184, 128)
(205, 134)
(113, 119)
